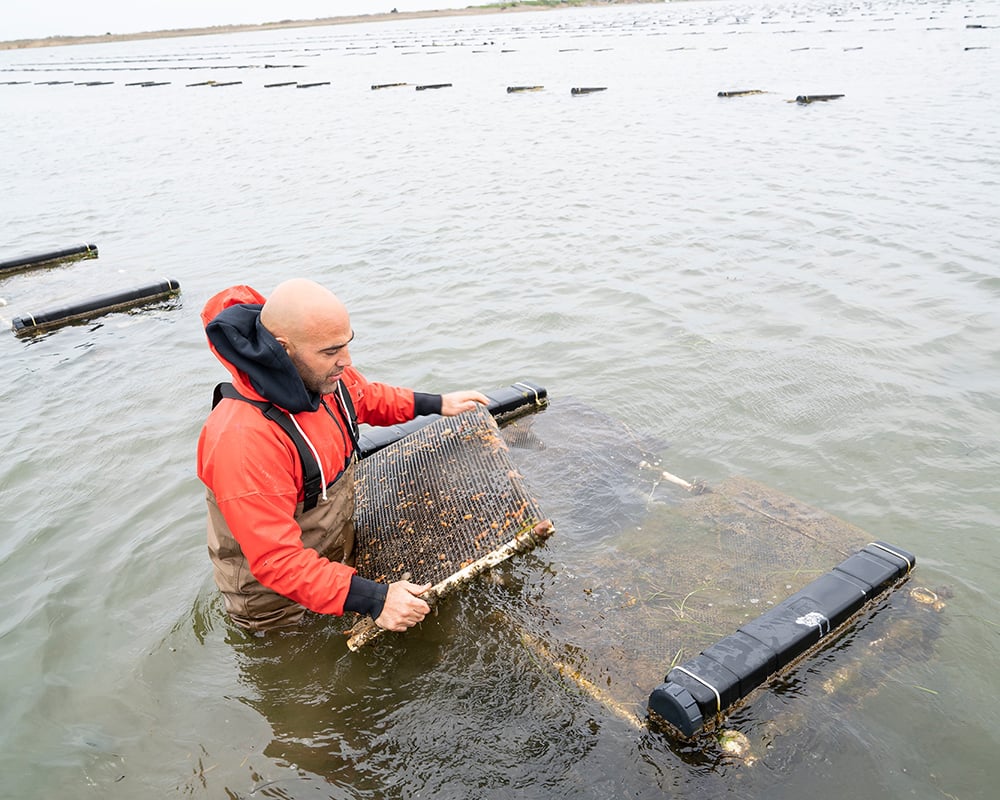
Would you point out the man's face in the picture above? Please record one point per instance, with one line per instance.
(322, 354)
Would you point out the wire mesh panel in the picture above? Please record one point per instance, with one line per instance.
(692, 572)
(441, 505)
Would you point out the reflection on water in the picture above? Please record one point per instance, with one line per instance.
(805, 295)
(409, 717)
(500, 674)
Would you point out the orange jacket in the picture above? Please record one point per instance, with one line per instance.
(255, 473)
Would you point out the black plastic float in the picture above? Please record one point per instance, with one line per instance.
(94, 307)
(505, 404)
(698, 691)
(805, 99)
(45, 259)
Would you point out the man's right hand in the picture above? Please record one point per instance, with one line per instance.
(403, 609)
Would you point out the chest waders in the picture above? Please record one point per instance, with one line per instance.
(327, 524)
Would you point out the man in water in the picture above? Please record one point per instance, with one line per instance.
(277, 548)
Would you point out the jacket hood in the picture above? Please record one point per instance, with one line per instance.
(251, 353)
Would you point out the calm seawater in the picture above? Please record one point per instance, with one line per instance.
(807, 295)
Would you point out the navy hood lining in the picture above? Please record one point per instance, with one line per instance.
(240, 338)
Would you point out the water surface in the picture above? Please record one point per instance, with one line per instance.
(805, 295)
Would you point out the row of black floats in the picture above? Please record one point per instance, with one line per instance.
(802, 99)
(697, 693)
(510, 89)
(89, 308)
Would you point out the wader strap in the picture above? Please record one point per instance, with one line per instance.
(347, 406)
(312, 478)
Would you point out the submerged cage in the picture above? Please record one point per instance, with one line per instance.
(664, 571)
(705, 687)
(722, 587)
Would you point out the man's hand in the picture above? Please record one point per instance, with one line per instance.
(457, 402)
(403, 609)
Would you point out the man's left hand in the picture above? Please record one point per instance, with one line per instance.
(456, 402)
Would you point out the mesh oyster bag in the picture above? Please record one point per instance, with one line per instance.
(441, 506)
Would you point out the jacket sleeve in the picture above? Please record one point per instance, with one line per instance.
(381, 404)
(254, 472)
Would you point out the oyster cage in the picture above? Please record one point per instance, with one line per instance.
(441, 506)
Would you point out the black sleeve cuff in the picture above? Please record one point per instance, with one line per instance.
(366, 597)
(426, 404)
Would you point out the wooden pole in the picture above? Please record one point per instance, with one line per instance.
(366, 631)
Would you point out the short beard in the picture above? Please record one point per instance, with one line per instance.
(312, 382)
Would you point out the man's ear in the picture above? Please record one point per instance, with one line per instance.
(287, 345)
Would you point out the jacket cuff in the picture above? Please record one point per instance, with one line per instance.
(366, 597)
(426, 404)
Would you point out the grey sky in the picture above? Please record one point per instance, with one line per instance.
(42, 18)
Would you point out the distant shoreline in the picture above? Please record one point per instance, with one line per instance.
(61, 41)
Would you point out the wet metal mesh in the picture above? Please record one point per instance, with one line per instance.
(694, 570)
(439, 500)
(670, 569)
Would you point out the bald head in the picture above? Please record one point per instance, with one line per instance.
(314, 327)
(298, 308)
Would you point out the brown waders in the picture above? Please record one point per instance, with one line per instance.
(328, 529)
